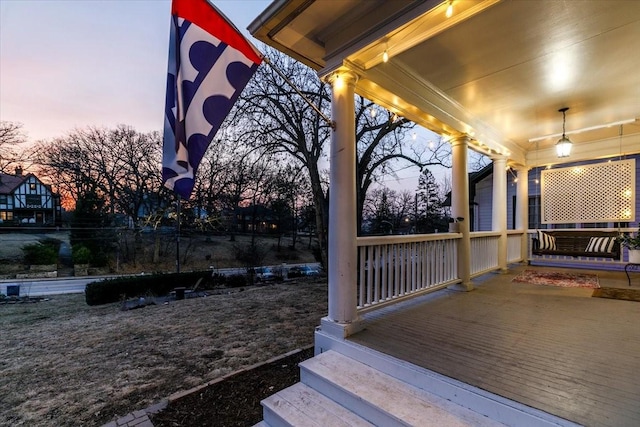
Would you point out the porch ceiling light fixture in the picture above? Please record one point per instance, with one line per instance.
(563, 146)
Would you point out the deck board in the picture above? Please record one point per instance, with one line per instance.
(555, 349)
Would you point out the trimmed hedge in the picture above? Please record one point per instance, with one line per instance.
(114, 290)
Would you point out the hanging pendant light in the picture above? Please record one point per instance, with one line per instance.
(564, 144)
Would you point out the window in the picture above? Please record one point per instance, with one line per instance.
(33, 201)
(3, 199)
(534, 213)
(6, 215)
(595, 225)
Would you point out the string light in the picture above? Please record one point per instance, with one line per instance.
(385, 56)
(449, 12)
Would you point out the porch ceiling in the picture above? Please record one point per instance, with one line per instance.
(496, 70)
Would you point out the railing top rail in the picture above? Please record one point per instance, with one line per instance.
(476, 234)
(516, 231)
(608, 229)
(409, 238)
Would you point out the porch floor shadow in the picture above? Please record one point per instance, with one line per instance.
(552, 348)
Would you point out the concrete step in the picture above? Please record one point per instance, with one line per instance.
(381, 399)
(300, 405)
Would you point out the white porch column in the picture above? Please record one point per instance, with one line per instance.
(460, 208)
(342, 254)
(522, 209)
(499, 211)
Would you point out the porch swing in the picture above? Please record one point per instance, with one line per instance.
(600, 186)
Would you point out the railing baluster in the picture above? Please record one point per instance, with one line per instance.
(397, 266)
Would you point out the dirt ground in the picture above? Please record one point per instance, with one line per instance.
(235, 401)
(63, 363)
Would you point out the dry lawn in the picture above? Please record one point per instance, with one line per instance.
(63, 363)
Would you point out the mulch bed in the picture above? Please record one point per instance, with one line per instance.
(234, 401)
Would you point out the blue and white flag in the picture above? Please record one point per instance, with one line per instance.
(210, 63)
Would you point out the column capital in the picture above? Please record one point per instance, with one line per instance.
(347, 77)
(461, 139)
(523, 168)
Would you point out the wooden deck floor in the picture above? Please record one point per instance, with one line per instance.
(555, 349)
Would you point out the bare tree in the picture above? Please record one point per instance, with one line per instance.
(277, 119)
(388, 211)
(11, 135)
(384, 148)
(216, 174)
(119, 164)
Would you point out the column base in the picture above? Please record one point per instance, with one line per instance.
(462, 287)
(340, 330)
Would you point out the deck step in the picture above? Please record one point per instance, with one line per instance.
(380, 398)
(300, 405)
(336, 390)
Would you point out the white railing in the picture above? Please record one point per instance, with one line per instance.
(514, 246)
(484, 252)
(391, 268)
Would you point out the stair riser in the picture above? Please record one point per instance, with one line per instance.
(492, 406)
(272, 418)
(360, 407)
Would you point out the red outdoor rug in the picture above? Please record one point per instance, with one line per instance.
(553, 278)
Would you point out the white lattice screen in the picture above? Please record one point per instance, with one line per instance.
(600, 192)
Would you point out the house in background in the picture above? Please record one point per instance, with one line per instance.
(256, 218)
(26, 201)
(481, 198)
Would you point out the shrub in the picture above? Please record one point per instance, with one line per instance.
(236, 281)
(218, 279)
(40, 254)
(114, 290)
(81, 254)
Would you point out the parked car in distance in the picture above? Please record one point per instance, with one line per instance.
(303, 271)
(264, 274)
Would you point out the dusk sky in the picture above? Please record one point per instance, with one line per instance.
(68, 64)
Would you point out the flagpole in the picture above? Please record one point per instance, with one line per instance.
(178, 203)
(330, 122)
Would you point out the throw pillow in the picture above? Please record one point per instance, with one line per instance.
(547, 241)
(601, 244)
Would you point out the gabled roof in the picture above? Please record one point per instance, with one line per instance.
(8, 183)
(474, 179)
